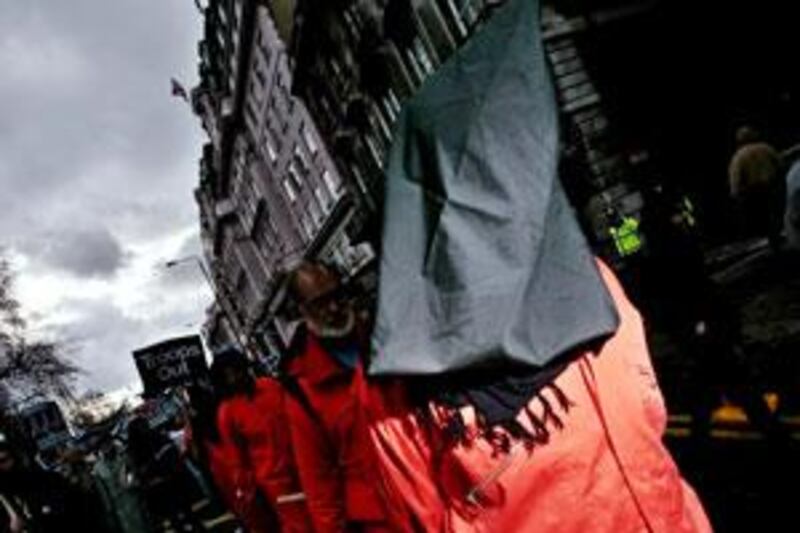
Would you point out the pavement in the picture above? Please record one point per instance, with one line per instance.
(746, 482)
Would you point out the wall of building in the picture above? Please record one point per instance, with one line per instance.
(300, 116)
(269, 194)
(357, 62)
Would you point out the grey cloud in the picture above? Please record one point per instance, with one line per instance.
(94, 126)
(93, 253)
(96, 156)
(104, 339)
(81, 252)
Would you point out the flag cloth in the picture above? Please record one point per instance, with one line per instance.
(178, 89)
(483, 263)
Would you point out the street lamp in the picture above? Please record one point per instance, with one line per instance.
(228, 315)
(200, 264)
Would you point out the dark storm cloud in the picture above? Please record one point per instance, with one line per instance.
(96, 157)
(89, 253)
(89, 128)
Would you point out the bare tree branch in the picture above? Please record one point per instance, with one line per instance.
(37, 366)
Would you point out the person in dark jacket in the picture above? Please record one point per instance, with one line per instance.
(680, 297)
(334, 455)
(159, 470)
(756, 185)
(36, 501)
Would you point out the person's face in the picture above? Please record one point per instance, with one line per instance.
(325, 305)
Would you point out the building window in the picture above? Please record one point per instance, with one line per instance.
(316, 214)
(250, 198)
(308, 138)
(393, 101)
(236, 178)
(251, 113)
(471, 11)
(455, 17)
(262, 78)
(237, 11)
(273, 136)
(298, 182)
(273, 156)
(328, 109)
(388, 108)
(411, 61)
(377, 157)
(338, 79)
(333, 184)
(289, 188)
(337, 70)
(383, 125)
(359, 179)
(352, 24)
(222, 16)
(422, 56)
(243, 289)
(307, 227)
(300, 157)
(323, 199)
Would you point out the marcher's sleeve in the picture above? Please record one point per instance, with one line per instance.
(318, 468)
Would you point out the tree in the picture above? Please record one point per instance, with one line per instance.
(30, 366)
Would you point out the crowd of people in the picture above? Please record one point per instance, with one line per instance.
(137, 480)
(508, 387)
(323, 446)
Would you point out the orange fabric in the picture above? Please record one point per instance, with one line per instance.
(256, 439)
(605, 470)
(255, 517)
(333, 450)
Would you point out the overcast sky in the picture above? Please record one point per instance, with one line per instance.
(97, 167)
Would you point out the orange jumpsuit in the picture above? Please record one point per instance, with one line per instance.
(605, 470)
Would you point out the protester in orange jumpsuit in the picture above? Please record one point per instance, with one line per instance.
(509, 384)
(335, 458)
(254, 433)
(204, 443)
(585, 453)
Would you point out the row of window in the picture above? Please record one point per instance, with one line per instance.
(419, 61)
(311, 202)
(310, 196)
